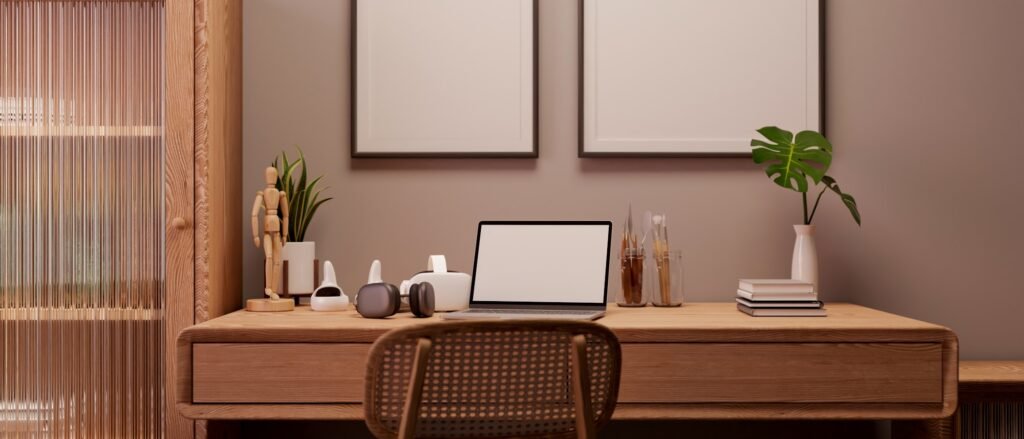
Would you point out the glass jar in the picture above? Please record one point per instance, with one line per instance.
(665, 285)
(631, 273)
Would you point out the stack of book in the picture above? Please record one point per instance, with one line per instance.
(778, 298)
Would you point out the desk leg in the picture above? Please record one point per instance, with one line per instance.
(218, 429)
(924, 429)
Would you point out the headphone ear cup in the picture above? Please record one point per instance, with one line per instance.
(414, 300)
(395, 297)
(378, 300)
(424, 293)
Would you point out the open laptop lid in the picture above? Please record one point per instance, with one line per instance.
(541, 264)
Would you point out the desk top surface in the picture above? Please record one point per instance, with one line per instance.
(992, 372)
(691, 322)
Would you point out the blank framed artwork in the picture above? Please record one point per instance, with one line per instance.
(695, 77)
(444, 78)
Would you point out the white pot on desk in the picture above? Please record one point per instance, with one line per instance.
(300, 257)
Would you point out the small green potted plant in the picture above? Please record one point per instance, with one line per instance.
(303, 202)
(800, 163)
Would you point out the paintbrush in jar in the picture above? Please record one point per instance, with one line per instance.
(661, 258)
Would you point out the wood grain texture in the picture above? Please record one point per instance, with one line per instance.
(255, 412)
(926, 429)
(269, 305)
(885, 366)
(623, 412)
(991, 372)
(988, 381)
(179, 189)
(781, 372)
(278, 372)
(218, 140)
(982, 386)
(701, 322)
(218, 132)
(774, 411)
(202, 163)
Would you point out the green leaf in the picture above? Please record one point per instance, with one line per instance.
(284, 175)
(309, 193)
(848, 200)
(776, 134)
(302, 177)
(790, 161)
(305, 202)
(303, 197)
(312, 210)
(289, 170)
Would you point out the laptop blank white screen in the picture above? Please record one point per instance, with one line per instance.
(541, 263)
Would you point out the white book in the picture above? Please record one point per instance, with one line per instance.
(784, 297)
(776, 286)
(781, 312)
(779, 303)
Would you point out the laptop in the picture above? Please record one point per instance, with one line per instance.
(539, 270)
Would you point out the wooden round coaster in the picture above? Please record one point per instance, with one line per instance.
(269, 305)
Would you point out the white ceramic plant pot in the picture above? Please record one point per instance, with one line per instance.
(300, 257)
(805, 256)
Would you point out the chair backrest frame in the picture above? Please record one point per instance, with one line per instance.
(590, 351)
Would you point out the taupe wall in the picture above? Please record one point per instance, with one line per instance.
(925, 104)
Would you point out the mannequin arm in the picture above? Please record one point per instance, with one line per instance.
(284, 216)
(256, 205)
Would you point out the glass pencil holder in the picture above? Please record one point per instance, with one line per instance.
(631, 272)
(665, 278)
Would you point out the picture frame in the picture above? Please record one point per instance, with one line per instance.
(703, 90)
(469, 97)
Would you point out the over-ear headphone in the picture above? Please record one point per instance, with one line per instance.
(378, 299)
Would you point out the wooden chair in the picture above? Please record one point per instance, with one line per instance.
(493, 379)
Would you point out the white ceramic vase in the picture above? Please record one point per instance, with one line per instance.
(300, 257)
(805, 256)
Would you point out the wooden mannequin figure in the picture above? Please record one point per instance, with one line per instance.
(275, 235)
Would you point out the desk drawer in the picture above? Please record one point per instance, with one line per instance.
(651, 372)
(278, 372)
(781, 372)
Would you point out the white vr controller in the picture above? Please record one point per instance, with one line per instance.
(329, 296)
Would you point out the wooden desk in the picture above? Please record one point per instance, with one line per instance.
(986, 396)
(701, 361)
(986, 381)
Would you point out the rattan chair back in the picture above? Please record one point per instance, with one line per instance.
(492, 379)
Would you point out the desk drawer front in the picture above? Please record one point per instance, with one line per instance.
(278, 372)
(651, 372)
(781, 372)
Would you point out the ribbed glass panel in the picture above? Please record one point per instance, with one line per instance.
(81, 219)
(991, 420)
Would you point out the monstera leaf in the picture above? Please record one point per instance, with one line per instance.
(848, 200)
(791, 161)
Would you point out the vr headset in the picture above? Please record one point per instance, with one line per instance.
(451, 288)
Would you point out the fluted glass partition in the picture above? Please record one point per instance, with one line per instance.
(81, 219)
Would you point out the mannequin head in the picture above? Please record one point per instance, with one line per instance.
(270, 175)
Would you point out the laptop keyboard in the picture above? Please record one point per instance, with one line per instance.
(529, 311)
